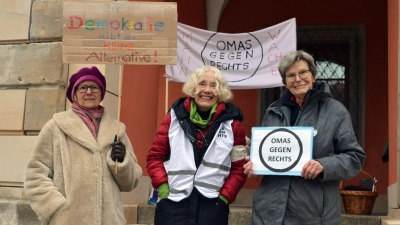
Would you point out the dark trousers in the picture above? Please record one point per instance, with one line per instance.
(194, 210)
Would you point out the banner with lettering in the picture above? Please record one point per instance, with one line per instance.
(281, 150)
(120, 32)
(247, 60)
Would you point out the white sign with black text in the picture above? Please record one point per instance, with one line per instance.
(281, 150)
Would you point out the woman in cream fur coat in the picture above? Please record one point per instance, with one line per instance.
(71, 176)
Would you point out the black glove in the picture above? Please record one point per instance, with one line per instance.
(118, 151)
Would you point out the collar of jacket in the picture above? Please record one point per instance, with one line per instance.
(224, 111)
(74, 127)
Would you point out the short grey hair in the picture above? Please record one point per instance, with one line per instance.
(191, 87)
(292, 57)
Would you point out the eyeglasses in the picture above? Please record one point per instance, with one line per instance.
(84, 88)
(292, 77)
(195, 139)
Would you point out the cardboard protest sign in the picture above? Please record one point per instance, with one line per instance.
(247, 60)
(281, 150)
(120, 32)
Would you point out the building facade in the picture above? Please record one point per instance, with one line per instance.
(359, 39)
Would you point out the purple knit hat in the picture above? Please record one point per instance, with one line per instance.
(84, 74)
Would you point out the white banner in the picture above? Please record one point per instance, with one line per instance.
(247, 60)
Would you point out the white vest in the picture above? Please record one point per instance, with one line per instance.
(181, 168)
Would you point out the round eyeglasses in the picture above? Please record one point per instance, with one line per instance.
(292, 77)
(84, 88)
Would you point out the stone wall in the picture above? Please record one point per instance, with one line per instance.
(32, 88)
(32, 79)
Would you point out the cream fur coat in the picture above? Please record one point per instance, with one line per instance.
(70, 177)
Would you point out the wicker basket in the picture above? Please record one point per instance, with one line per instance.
(359, 202)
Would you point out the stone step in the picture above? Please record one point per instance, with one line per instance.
(386, 220)
(19, 212)
(242, 216)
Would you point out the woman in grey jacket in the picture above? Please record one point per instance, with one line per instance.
(71, 176)
(314, 197)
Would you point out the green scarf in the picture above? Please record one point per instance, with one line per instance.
(196, 118)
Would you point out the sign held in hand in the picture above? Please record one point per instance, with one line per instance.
(120, 32)
(281, 150)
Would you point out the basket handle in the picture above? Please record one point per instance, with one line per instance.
(364, 172)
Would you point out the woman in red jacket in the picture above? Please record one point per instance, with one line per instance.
(196, 159)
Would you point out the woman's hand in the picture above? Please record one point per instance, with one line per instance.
(118, 151)
(311, 169)
(248, 167)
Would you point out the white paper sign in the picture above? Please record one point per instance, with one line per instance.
(281, 150)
